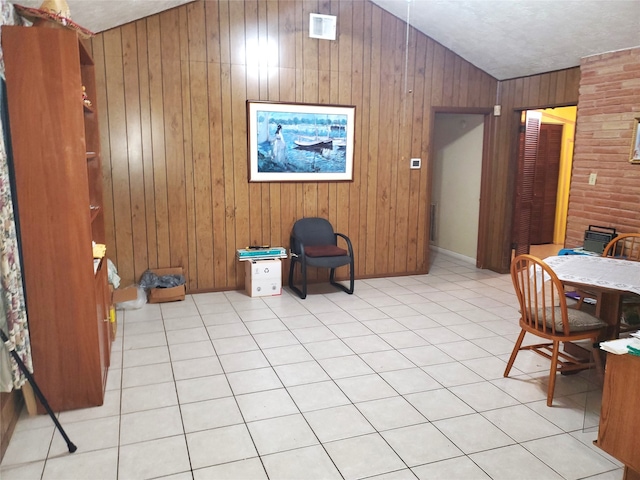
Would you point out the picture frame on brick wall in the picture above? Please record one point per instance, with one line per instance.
(635, 144)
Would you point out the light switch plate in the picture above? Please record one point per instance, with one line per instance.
(592, 178)
(416, 162)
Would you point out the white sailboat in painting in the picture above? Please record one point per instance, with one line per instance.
(313, 142)
(339, 135)
(263, 127)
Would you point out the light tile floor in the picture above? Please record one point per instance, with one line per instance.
(401, 380)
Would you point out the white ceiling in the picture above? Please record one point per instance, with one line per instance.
(505, 38)
(515, 38)
(101, 15)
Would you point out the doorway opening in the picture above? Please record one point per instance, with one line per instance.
(545, 157)
(456, 172)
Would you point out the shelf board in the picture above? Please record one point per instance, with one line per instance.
(91, 155)
(87, 109)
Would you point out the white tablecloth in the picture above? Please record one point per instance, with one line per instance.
(611, 273)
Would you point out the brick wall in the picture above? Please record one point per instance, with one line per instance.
(608, 104)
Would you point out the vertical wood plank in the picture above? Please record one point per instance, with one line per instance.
(463, 83)
(384, 170)
(134, 148)
(449, 77)
(158, 141)
(416, 151)
(362, 138)
(147, 144)
(561, 82)
(118, 151)
(572, 86)
(438, 74)
(545, 81)
(228, 175)
(286, 34)
(239, 134)
(218, 180)
(257, 70)
(534, 91)
(172, 91)
(422, 248)
(190, 263)
(202, 269)
(372, 203)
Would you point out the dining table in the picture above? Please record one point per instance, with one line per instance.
(610, 277)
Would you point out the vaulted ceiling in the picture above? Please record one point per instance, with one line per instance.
(101, 15)
(515, 38)
(505, 38)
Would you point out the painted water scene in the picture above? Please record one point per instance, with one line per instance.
(298, 142)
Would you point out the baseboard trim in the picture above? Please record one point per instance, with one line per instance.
(455, 255)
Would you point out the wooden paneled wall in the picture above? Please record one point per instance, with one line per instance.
(172, 93)
(554, 89)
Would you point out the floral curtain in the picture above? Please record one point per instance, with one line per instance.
(13, 319)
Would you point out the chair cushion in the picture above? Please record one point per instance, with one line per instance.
(579, 320)
(324, 251)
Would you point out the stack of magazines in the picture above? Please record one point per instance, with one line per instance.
(623, 345)
(261, 253)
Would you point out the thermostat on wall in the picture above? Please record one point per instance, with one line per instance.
(416, 162)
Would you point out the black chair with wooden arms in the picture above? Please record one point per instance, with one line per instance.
(625, 246)
(544, 313)
(315, 244)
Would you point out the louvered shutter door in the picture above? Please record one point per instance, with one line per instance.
(524, 197)
(553, 144)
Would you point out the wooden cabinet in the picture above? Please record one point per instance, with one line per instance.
(619, 415)
(58, 188)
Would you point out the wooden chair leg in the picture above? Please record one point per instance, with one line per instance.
(514, 353)
(553, 372)
(597, 359)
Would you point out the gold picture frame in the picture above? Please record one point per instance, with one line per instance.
(634, 157)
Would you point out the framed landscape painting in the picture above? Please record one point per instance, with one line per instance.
(635, 142)
(296, 142)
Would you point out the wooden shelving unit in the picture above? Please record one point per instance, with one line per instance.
(619, 415)
(58, 176)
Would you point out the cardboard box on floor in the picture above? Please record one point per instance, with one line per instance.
(263, 278)
(119, 295)
(126, 294)
(172, 294)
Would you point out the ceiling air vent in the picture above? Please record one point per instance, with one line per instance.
(322, 26)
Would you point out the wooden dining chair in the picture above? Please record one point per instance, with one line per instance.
(626, 247)
(544, 313)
